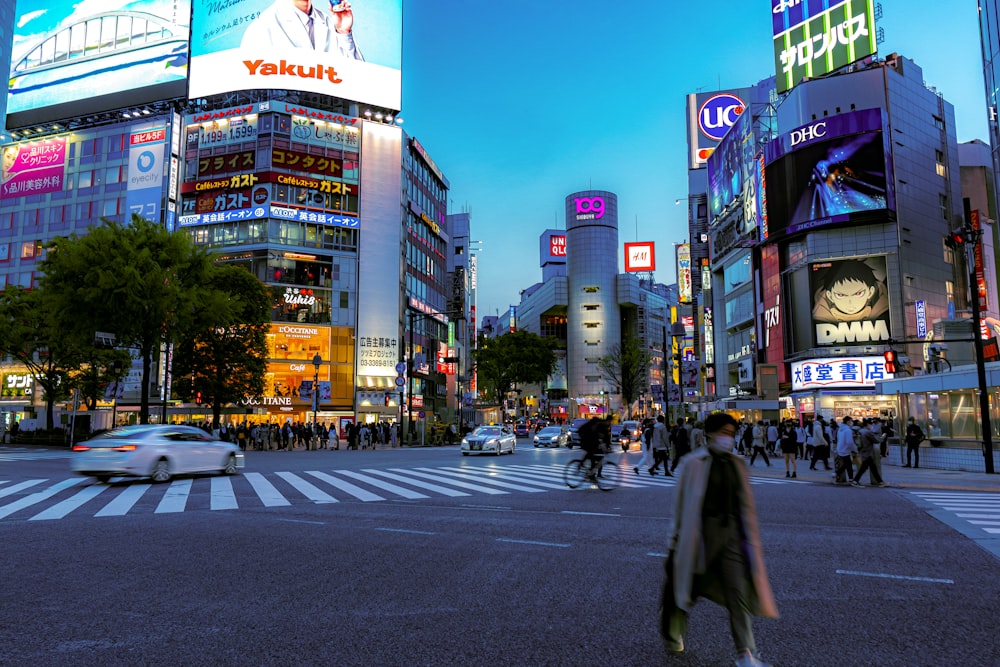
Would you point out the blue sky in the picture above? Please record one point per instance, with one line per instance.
(521, 104)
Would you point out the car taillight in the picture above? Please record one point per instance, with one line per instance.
(81, 448)
(125, 448)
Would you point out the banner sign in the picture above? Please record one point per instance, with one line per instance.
(640, 256)
(34, 168)
(144, 195)
(822, 42)
(840, 372)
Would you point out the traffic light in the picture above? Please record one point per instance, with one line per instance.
(890, 361)
(197, 397)
(387, 399)
(959, 236)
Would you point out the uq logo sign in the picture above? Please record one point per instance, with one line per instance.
(718, 114)
(589, 208)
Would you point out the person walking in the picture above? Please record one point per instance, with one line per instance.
(661, 447)
(714, 546)
(758, 443)
(680, 438)
(773, 436)
(647, 446)
(789, 449)
(820, 444)
(914, 436)
(868, 449)
(845, 450)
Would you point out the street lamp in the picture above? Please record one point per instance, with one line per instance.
(676, 331)
(317, 362)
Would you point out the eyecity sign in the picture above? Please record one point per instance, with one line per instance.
(589, 208)
(718, 113)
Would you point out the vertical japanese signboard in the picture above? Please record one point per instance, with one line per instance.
(684, 273)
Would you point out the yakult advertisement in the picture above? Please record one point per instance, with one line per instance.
(330, 47)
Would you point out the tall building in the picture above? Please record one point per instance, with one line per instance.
(300, 173)
(989, 29)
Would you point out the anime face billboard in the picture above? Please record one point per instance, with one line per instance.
(850, 301)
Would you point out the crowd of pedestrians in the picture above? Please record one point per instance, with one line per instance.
(304, 435)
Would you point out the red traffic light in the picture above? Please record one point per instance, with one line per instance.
(197, 397)
(890, 361)
(388, 399)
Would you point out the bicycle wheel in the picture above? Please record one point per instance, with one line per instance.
(575, 473)
(607, 479)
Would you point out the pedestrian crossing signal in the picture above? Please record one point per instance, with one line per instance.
(890, 361)
(388, 400)
(197, 397)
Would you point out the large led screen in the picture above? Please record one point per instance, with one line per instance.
(72, 58)
(850, 301)
(730, 165)
(347, 50)
(820, 40)
(828, 172)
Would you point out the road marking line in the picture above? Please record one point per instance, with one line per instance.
(305, 488)
(417, 483)
(896, 576)
(59, 510)
(125, 500)
(532, 542)
(656, 554)
(17, 487)
(385, 486)
(34, 498)
(268, 495)
(175, 499)
(222, 496)
(353, 489)
(588, 513)
(403, 530)
(314, 523)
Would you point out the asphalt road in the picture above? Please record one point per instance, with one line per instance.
(517, 572)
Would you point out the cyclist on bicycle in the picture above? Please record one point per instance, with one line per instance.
(595, 440)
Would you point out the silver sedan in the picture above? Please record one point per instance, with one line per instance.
(157, 451)
(489, 440)
(552, 436)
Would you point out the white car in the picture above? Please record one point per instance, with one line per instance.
(551, 436)
(489, 440)
(632, 431)
(157, 451)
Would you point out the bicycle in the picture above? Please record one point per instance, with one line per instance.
(600, 470)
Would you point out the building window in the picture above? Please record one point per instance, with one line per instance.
(939, 167)
(939, 122)
(949, 252)
(943, 201)
(949, 290)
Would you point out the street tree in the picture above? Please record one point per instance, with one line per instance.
(144, 284)
(225, 361)
(626, 367)
(518, 357)
(31, 339)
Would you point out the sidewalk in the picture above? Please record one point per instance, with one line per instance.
(895, 476)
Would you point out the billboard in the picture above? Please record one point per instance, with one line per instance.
(850, 301)
(552, 247)
(684, 285)
(640, 256)
(353, 52)
(72, 58)
(709, 117)
(814, 41)
(144, 195)
(840, 373)
(831, 171)
(730, 165)
(33, 168)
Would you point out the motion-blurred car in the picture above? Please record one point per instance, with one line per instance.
(489, 440)
(522, 429)
(552, 436)
(157, 451)
(574, 432)
(619, 436)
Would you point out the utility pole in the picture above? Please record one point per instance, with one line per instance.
(974, 233)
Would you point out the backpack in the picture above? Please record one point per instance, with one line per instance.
(679, 437)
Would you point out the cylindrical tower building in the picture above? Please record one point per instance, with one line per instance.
(593, 319)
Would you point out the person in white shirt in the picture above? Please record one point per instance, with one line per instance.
(845, 449)
(299, 24)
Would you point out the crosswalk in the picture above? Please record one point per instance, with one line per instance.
(7, 454)
(976, 515)
(48, 499)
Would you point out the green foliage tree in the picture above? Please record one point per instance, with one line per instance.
(227, 358)
(146, 285)
(519, 357)
(627, 368)
(31, 339)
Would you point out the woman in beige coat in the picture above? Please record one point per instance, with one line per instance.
(715, 547)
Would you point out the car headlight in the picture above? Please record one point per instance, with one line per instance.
(465, 443)
(493, 441)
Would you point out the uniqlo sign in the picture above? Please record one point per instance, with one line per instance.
(557, 246)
